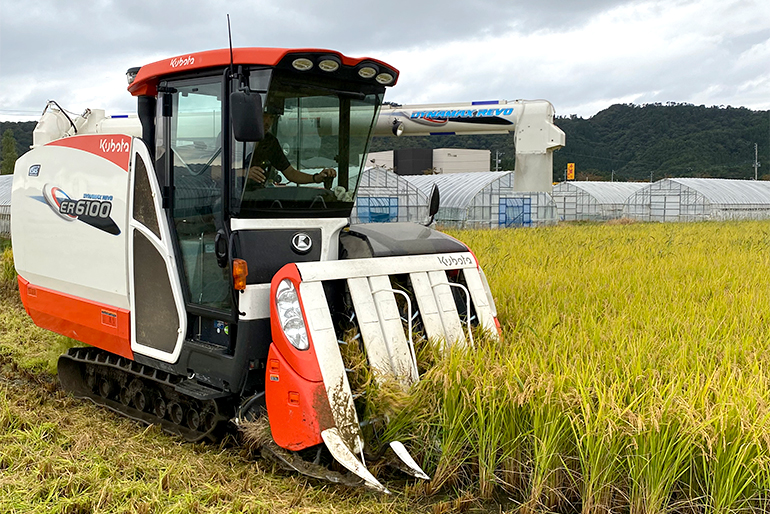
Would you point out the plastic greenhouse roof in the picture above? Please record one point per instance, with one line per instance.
(383, 179)
(602, 192)
(456, 190)
(726, 191)
(6, 181)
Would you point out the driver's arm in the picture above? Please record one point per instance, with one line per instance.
(300, 177)
(272, 153)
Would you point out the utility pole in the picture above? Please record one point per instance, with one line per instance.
(497, 160)
(756, 161)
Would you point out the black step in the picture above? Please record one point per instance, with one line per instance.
(192, 387)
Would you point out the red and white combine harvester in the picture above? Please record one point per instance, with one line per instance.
(205, 295)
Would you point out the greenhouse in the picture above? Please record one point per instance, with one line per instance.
(486, 200)
(595, 201)
(5, 205)
(383, 196)
(698, 199)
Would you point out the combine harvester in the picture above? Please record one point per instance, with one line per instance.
(205, 297)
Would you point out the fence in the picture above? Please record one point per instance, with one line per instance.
(5, 221)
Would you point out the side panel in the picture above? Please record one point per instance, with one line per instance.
(90, 322)
(69, 217)
(294, 405)
(69, 220)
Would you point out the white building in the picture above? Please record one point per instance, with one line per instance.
(595, 201)
(486, 200)
(380, 160)
(698, 199)
(383, 196)
(445, 160)
(459, 160)
(6, 181)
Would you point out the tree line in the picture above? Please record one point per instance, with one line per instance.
(16, 140)
(627, 142)
(624, 142)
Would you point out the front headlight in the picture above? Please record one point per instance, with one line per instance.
(290, 315)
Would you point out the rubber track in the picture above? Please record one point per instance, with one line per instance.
(107, 364)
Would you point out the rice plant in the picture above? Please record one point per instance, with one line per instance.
(633, 376)
(7, 270)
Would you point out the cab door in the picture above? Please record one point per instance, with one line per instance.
(191, 149)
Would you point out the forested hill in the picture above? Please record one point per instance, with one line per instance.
(673, 140)
(22, 133)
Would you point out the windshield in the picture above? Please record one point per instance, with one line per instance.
(310, 160)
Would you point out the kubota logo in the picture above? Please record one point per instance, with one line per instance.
(301, 243)
(182, 61)
(450, 261)
(92, 209)
(110, 145)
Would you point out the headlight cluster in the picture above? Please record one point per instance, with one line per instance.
(331, 63)
(290, 315)
(368, 71)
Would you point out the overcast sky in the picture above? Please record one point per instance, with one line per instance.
(582, 55)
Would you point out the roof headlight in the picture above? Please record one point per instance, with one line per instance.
(367, 72)
(302, 64)
(385, 78)
(329, 65)
(131, 75)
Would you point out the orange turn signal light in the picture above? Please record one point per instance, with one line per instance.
(240, 272)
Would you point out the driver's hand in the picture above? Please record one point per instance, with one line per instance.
(328, 173)
(257, 174)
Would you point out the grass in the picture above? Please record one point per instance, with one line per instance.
(60, 455)
(633, 377)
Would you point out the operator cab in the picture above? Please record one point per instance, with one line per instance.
(318, 107)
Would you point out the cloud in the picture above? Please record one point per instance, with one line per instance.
(634, 52)
(582, 56)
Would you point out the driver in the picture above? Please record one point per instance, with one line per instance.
(268, 153)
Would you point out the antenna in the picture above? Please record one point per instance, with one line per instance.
(230, 38)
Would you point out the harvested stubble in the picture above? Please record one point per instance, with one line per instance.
(60, 455)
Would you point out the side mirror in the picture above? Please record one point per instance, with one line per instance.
(433, 204)
(246, 115)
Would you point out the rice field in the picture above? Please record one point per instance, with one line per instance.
(633, 378)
